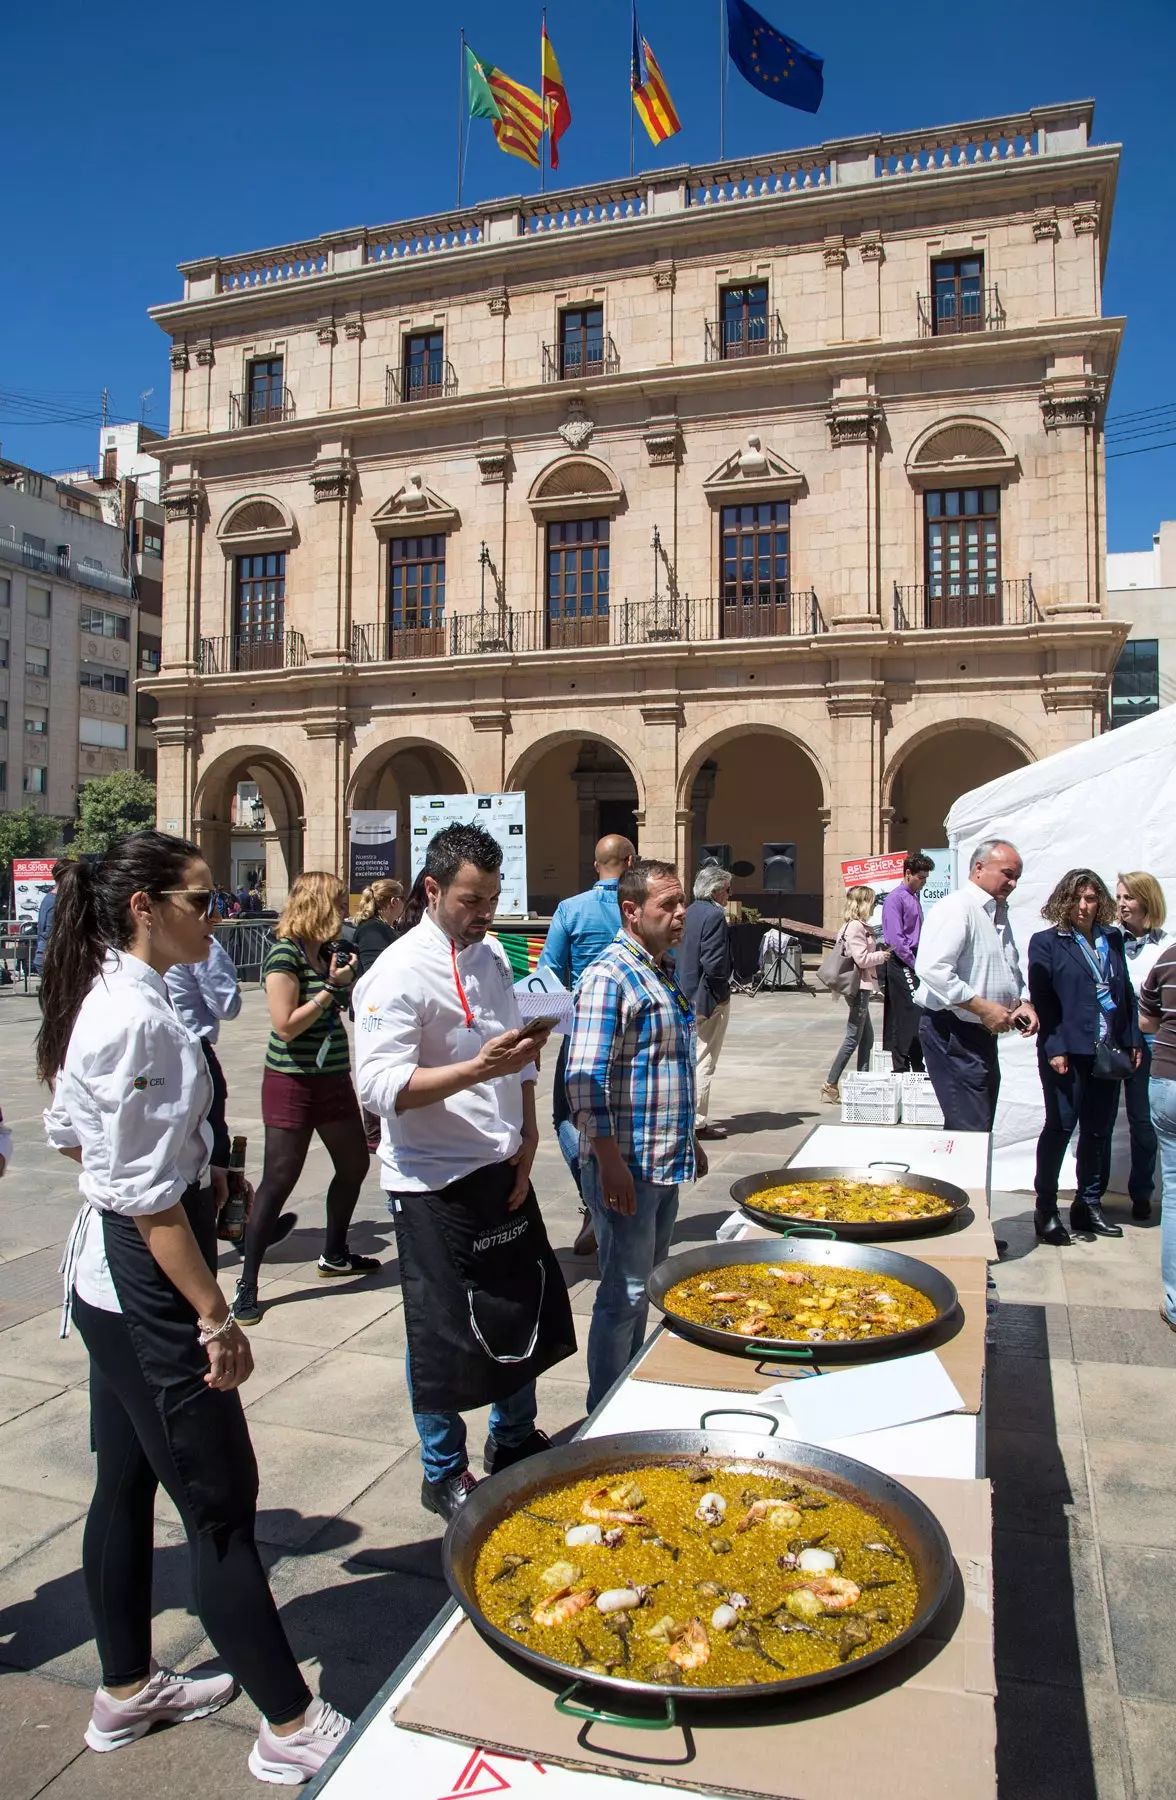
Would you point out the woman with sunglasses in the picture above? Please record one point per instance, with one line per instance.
(166, 1357)
(306, 1086)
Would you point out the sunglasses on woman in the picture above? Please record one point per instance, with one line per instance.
(201, 900)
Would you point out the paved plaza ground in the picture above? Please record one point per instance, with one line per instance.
(1081, 1397)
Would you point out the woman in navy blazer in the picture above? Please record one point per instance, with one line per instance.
(1079, 984)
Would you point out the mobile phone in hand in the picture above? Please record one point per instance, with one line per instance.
(1023, 1023)
(533, 1027)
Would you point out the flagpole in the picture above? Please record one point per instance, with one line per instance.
(543, 108)
(460, 113)
(631, 106)
(722, 80)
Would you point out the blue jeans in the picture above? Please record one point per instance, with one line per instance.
(628, 1248)
(859, 1036)
(443, 1434)
(1162, 1094)
(569, 1143)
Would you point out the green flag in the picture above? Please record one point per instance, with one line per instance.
(482, 102)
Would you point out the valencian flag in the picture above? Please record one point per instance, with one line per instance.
(557, 112)
(651, 96)
(775, 64)
(515, 111)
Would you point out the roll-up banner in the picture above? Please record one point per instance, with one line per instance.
(504, 816)
(373, 851)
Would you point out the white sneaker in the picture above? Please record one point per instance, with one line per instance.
(166, 1698)
(289, 1761)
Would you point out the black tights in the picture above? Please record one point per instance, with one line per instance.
(285, 1154)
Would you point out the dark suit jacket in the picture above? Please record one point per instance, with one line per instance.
(1061, 987)
(704, 957)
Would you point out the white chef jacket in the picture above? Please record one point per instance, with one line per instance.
(409, 1015)
(133, 1094)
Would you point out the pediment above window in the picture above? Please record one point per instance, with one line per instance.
(960, 452)
(415, 507)
(753, 473)
(574, 487)
(257, 522)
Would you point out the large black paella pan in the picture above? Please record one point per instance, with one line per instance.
(813, 1208)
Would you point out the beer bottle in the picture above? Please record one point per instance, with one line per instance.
(231, 1224)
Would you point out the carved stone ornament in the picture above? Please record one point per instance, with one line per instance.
(854, 420)
(417, 506)
(204, 354)
(872, 250)
(181, 500)
(492, 463)
(499, 305)
(663, 440)
(325, 331)
(753, 472)
(331, 480)
(577, 428)
(665, 279)
(1086, 221)
(179, 358)
(353, 328)
(1045, 230)
(836, 255)
(1076, 403)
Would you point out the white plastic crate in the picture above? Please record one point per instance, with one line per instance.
(870, 1100)
(881, 1062)
(919, 1105)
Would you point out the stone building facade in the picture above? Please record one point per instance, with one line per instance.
(743, 504)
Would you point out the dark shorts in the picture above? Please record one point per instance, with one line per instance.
(300, 1102)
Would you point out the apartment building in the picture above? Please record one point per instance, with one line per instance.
(754, 502)
(68, 642)
(1141, 589)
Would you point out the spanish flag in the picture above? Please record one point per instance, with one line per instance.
(651, 96)
(557, 112)
(515, 111)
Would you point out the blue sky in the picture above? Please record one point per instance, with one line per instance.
(133, 141)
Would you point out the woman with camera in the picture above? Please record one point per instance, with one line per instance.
(306, 1086)
(1088, 1042)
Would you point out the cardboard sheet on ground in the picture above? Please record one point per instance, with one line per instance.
(873, 1397)
(919, 1727)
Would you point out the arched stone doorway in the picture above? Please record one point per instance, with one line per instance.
(578, 790)
(249, 816)
(391, 775)
(934, 773)
(751, 789)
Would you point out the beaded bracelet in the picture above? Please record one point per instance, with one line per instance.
(209, 1333)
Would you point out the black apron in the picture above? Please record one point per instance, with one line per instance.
(486, 1307)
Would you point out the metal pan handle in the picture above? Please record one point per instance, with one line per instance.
(799, 1231)
(740, 1412)
(565, 1703)
(884, 1162)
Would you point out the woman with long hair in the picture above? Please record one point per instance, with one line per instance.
(858, 939)
(1088, 1040)
(166, 1357)
(380, 908)
(1142, 910)
(306, 1086)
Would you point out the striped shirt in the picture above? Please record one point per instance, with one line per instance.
(1157, 1000)
(630, 1071)
(967, 952)
(302, 1056)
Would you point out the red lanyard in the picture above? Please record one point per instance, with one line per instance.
(461, 994)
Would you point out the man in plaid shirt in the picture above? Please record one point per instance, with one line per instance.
(630, 1086)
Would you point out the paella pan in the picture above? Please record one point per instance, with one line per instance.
(881, 1201)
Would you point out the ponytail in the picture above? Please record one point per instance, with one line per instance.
(93, 915)
(372, 898)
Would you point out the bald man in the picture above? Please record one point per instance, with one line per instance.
(583, 926)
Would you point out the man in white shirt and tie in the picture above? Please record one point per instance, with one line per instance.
(970, 988)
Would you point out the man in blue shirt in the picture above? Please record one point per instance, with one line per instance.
(583, 927)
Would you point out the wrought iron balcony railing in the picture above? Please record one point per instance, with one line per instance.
(950, 314)
(729, 340)
(795, 614)
(247, 656)
(578, 359)
(397, 643)
(965, 605)
(433, 380)
(497, 631)
(251, 409)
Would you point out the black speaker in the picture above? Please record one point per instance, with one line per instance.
(779, 868)
(719, 854)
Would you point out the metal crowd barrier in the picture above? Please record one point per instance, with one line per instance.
(246, 941)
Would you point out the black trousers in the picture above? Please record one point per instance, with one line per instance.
(962, 1062)
(155, 1422)
(221, 1142)
(1145, 1145)
(1075, 1099)
(900, 1017)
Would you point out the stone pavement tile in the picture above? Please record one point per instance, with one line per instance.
(1123, 1284)
(308, 1476)
(178, 1762)
(342, 1395)
(25, 1522)
(395, 1530)
(274, 1362)
(1133, 1486)
(36, 1351)
(41, 1726)
(1057, 1744)
(1136, 1579)
(1039, 1482)
(19, 1397)
(386, 1337)
(1047, 1609)
(1022, 1330)
(1151, 1742)
(1029, 1393)
(50, 1448)
(583, 1301)
(1120, 1401)
(1034, 1279)
(319, 1314)
(1122, 1334)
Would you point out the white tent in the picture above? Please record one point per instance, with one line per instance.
(1108, 805)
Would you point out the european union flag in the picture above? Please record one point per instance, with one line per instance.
(772, 62)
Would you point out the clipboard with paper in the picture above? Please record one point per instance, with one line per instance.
(542, 995)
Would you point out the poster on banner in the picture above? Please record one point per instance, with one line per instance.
(938, 884)
(32, 879)
(373, 850)
(878, 872)
(504, 816)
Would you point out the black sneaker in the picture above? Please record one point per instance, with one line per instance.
(245, 1308)
(444, 1497)
(350, 1264)
(283, 1228)
(496, 1457)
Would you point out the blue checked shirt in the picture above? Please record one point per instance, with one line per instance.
(630, 1073)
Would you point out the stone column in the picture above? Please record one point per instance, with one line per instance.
(857, 706)
(183, 505)
(176, 740)
(855, 419)
(329, 623)
(492, 723)
(328, 770)
(1071, 407)
(660, 832)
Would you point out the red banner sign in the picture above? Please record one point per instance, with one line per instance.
(872, 871)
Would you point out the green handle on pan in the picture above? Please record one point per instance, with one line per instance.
(767, 1354)
(567, 1705)
(739, 1412)
(797, 1231)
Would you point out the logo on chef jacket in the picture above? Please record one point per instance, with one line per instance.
(372, 1020)
(147, 1081)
